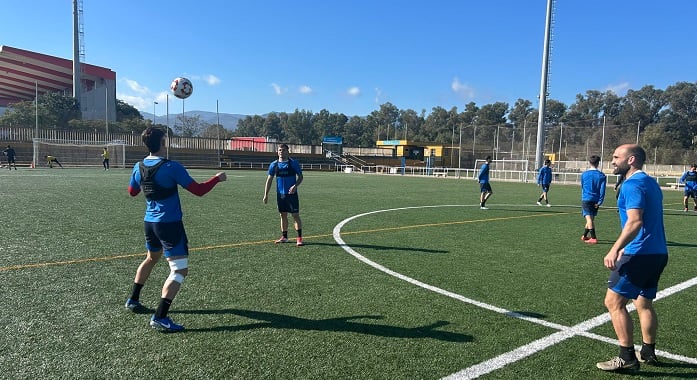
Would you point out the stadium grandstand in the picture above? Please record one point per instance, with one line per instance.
(25, 74)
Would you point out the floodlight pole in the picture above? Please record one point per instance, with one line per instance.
(167, 126)
(543, 88)
(217, 130)
(153, 112)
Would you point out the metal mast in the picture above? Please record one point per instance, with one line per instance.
(543, 88)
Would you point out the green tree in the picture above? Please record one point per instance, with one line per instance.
(189, 126)
(214, 131)
(125, 111)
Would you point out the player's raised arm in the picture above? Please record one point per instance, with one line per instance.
(201, 189)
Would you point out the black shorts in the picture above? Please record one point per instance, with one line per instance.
(288, 203)
(637, 275)
(588, 208)
(170, 237)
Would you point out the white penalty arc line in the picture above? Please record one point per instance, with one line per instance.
(565, 332)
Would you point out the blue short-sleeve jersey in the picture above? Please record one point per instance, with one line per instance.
(170, 174)
(640, 191)
(689, 178)
(286, 173)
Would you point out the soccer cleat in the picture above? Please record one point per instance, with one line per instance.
(165, 324)
(539, 204)
(592, 241)
(299, 242)
(549, 205)
(619, 364)
(281, 240)
(134, 305)
(685, 209)
(483, 208)
(650, 359)
(584, 238)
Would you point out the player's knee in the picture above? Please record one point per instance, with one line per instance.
(178, 269)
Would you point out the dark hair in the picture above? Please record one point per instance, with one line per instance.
(284, 146)
(594, 160)
(488, 158)
(152, 138)
(548, 161)
(639, 154)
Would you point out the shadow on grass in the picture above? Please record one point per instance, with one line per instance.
(651, 371)
(676, 244)
(343, 324)
(383, 248)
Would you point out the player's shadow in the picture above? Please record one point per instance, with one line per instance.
(676, 244)
(654, 370)
(267, 320)
(382, 247)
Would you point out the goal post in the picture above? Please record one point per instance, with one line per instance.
(79, 153)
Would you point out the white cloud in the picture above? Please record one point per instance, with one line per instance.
(618, 89)
(305, 90)
(277, 89)
(462, 89)
(378, 95)
(136, 101)
(135, 86)
(211, 79)
(354, 91)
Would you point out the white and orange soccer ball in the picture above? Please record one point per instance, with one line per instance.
(181, 88)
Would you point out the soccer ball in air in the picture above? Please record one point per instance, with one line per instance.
(181, 88)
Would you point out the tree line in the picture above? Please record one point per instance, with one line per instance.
(662, 121)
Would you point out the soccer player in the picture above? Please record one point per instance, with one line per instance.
(105, 159)
(289, 176)
(11, 155)
(51, 159)
(159, 179)
(544, 179)
(689, 178)
(484, 186)
(636, 260)
(593, 183)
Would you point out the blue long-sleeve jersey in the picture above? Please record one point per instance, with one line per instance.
(545, 176)
(593, 183)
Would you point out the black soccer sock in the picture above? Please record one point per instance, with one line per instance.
(285, 234)
(300, 232)
(627, 353)
(592, 233)
(585, 232)
(648, 349)
(135, 293)
(163, 308)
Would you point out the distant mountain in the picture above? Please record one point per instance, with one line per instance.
(227, 120)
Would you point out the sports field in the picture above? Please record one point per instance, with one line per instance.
(400, 278)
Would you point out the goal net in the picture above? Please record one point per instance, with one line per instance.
(78, 153)
(516, 170)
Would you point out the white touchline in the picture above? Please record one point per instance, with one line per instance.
(565, 332)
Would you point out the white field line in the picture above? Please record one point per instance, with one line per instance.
(519, 353)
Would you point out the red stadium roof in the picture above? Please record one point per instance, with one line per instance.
(22, 71)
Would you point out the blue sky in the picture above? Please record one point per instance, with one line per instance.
(255, 57)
